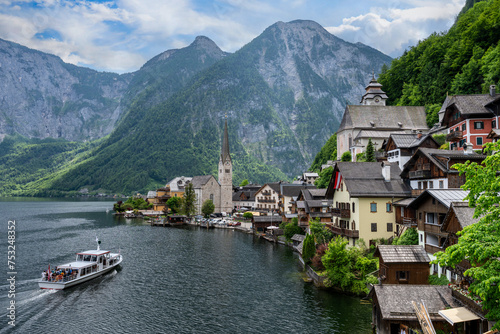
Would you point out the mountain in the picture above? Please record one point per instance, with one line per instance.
(42, 96)
(464, 60)
(283, 94)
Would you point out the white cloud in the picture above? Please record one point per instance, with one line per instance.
(391, 29)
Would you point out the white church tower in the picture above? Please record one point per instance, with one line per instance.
(374, 94)
(226, 174)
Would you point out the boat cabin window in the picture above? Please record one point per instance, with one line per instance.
(94, 258)
(80, 257)
(86, 258)
(100, 259)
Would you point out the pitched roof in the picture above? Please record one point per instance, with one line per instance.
(433, 154)
(317, 193)
(443, 196)
(178, 183)
(463, 212)
(293, 190)
(224, 154)
(472, 104)
(395, 300)
(200, 181)
(364, 179)
(383, 117)
(409, 140)
(402, 254)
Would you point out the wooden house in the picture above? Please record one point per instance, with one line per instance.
(431, 208)
(432, 168)
(261, 223)
(244, 197)
(312, 204)
(403, 264)
(393, 309)
(399, 148)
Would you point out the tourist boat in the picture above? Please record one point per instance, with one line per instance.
(88, 265)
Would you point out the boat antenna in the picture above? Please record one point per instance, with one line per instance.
(98, 242)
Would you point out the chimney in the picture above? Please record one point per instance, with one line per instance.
(386, 171)
(468, 148)
(419, 135)
(492, 90)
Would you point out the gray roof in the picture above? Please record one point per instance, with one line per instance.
(178, 183)
(364, 179)
(433, 154)
(472, 104)
(403, 202)
(317, 192)
(443, 196)
(383, 117)
(293, 190)
(276, 220)
(151, 194)
(408, 140)
(200, 181)
(298, 237)
(463, 212)
(402, 254)
(376, 134)
(319, 203)
(395, 300)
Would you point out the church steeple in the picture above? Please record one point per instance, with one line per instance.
(374, 94)
(226, 174)
(224, 154)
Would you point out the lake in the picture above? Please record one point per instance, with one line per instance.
(172, 279)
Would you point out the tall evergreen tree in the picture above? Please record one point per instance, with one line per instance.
(188, 201)
(370, 152)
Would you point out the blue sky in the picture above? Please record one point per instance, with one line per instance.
(121, 35)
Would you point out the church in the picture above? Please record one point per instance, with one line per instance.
(220, 191)
(374, 119)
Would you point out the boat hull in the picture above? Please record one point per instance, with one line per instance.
(76, 281)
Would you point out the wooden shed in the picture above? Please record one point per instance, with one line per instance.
(403, 264)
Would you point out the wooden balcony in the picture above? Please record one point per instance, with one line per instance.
(416, 192)
(266, 200)
(434, 229)
(468, 302)
(341, 213)
(419, 174)
(409, 222)
(345, 232)
(454, 136)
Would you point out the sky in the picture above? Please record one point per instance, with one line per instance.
(121, 35)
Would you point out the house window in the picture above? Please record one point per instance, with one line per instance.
(389, 227)
(212, 197)
(441, 184)
(373, 207)
(388, 207)
(402, 275)
(341, 186)
(494, 124)
(353, 210)
(479, 140)
(478, 125)
(431, 184)
(464, 127)
(420, 216)
(419, 185)
(374, 227)
(421, 238)
(425, 184)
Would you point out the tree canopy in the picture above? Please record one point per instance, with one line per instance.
(207, 208)
(188, 201)
(479, 243)
(370, 151)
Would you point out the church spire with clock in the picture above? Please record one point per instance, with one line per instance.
(226, 174)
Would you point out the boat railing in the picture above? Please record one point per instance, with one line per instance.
(58, 279)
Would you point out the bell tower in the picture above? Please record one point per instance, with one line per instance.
(374, 94)
(226, 174)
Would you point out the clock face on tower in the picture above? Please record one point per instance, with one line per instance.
(227, 163)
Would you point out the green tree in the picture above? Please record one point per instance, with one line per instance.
(207, 208)
(346, 156)
(188, 201)
(370, 151)
(324, 178)
(174, 203)
(244, 183)
(409, 237)
(308, 248)
(248, 215)
(327, 152)
(479, 242)
(321, 233)
(291, 228)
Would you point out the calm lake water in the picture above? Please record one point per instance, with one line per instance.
(172, 280)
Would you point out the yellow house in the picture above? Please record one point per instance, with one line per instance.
(362, 195)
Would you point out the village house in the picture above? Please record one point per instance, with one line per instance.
(262, 223)
(309, 177)
(289, 193)
(470, 118)
(431, 168)
(431, 208)
(244, 197)
(363, 194)
(393, 310)
(403, 264)
(267, 198)
(400, 148)
(373, 119)
(312, 204)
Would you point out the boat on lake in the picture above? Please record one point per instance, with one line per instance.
(88, 265)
